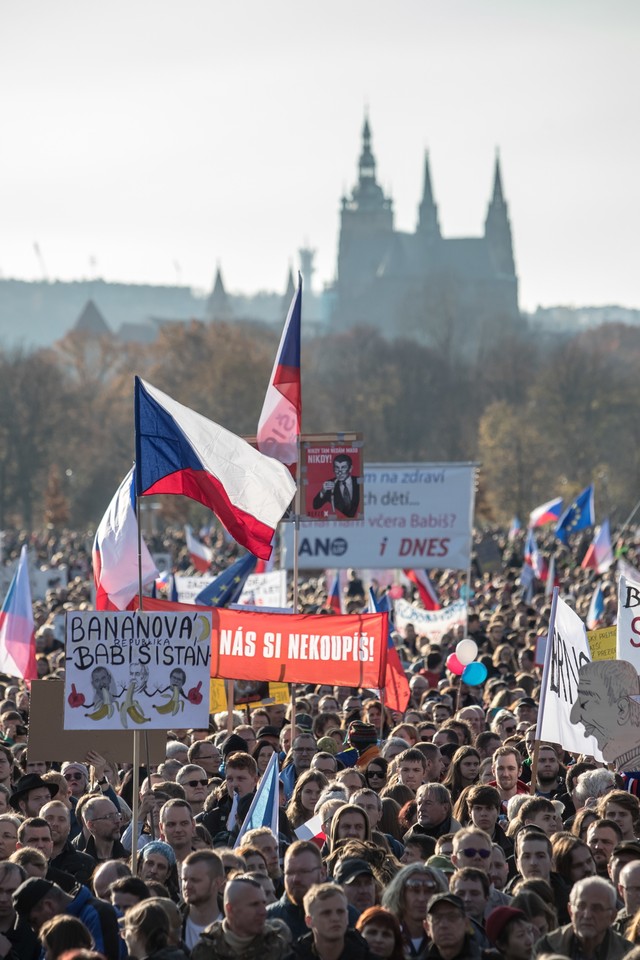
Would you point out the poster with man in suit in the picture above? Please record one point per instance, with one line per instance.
(333, 481)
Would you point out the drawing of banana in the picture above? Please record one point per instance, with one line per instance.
(100, 713)
(173, 704)
(131, 708)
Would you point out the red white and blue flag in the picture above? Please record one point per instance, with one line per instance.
(201, 556)
(514, 529)
(281, 417)
(533, 557)
(115, 552)
(178, 451)
(595, 614)
(599, 556)
(17, 627)
(333, 601)
(548, 512)
(426, 590)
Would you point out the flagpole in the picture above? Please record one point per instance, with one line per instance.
(296, 541)
(543, 688)
(135, 812)
(629, 519)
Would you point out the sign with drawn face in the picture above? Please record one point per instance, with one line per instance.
(607, 707)
(136, 671)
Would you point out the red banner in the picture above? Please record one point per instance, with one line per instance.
(349, 651)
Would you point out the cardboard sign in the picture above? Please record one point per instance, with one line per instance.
(136, 670)
(275, 693)
(48, 740)
(602, 643)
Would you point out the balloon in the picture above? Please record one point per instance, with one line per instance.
(396, 592)
(467, 651)
(474, 674)
(454, 665)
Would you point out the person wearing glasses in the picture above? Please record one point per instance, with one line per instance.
(194, 781)
(474, 848)
(504, 724)
(102, 819)
(407, 896)
(303, 751)
(592, 911)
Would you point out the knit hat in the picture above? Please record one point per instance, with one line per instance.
(233, 744)
(498, 920)
(29, 894)
(78, 767)
(362, 735)
(327, 745)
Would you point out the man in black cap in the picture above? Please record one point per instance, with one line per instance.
(356, 876)
(31, 793)
(449, 930)
(37, 900)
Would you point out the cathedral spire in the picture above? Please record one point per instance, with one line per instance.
(428, 211)
(218, 305)
(497, 228)
(498, 195)
(367, 163)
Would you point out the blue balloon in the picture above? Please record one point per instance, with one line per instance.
(474, 674)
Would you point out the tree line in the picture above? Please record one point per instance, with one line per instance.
(543, 421)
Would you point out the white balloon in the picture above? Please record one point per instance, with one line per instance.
(466, 651)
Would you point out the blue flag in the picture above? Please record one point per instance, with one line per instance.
(227, 587)
(578, 515)
(264, 808)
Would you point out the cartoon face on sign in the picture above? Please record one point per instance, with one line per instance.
(607, 706)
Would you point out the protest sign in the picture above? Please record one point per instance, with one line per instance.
(265, 589)
(188, 588)
(332, 481)
(602, 643)
(628, 633)
(567, 650)
(137, 670)
(416, 515)
(275, 693)
(48, 740)
(429, 623)
(349, 651)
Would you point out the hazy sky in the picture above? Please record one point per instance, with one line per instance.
(148, 134)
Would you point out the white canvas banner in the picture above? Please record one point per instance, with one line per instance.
(416, 515)
(188, 588)
(567, 650)
(137, 670)
(628, 635)
(265, 589)
(429, 623)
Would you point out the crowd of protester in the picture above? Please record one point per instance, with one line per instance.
(423, 836)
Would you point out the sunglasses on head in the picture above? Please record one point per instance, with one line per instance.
(195, 783)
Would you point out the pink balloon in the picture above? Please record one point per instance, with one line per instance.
(396, 592)
(454, 665)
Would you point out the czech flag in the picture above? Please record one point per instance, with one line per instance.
(426, 590)
(396, 685)
(333, 600)
(281, 417)
(514, 529)
(201, 555)
(548, 512)
(534, 558)
(17, 627)
(596, 609)
(115, 551)
(599, 556)
(178, 451)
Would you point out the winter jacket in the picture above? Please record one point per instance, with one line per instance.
(213, 945)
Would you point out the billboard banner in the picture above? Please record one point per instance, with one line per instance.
(416, 515)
